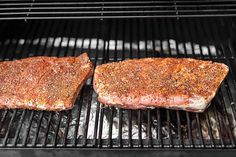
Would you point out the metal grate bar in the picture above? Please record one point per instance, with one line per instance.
(110, 127)
(130, 128)
(212, 34)
(120, 144)
(174, 32)
(39, 6)
(206, 34)
(197, 29)
(64, 142)
(34, 140)
(77, 25)
(162, 34)
(170, 141)
(83, 27)
(54, 33)
(59, 52)
(18, 128)
(199, 128)
(78, 109)
(5, 49)
(159, 124)
(90, 28)
(111, 109)
(187, 32)
(87, 119)
(44, 142)
(8, 128)
(189, 130)
(69, 30)
(57, 2)
(129, 37)
(123, 40)
(98, 105)
(158, 127)
(139, 128)
(168, 41)
(3, 118)
(179, 130)
(101, 107)
(3, 27)
(114, 9)
(55, 139)
(100, 126)
(121, 36)
(32, 33)
(120, 114)
(43, 50)
(96, 125)
(140, 113)
(149, 131)
(24, 141)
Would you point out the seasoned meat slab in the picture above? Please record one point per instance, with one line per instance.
(43, 83)
(184, 84)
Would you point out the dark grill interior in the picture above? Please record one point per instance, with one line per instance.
(71, 9)
(89, 124)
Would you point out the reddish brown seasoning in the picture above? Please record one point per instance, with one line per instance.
(43, 83)
(185, 84)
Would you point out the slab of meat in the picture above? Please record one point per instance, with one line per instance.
(43, 83)
(184, 84)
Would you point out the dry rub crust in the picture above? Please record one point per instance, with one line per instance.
(43, 83)
(184, 84)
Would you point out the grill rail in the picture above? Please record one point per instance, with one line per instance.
(89, 124)
(77, 9)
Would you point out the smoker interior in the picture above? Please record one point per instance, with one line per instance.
(90, 124)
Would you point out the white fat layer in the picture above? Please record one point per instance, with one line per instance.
(198, 103)
(42, 106)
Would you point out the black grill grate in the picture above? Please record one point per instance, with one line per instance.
(89, 124)
(44, 9)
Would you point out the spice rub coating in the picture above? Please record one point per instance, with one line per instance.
(43, 83)
(184, 84)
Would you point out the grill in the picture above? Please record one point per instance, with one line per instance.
(71, 9)
(91, 125)
(113, 31)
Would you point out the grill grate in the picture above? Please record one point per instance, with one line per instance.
(64, 9)
(89, 124)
